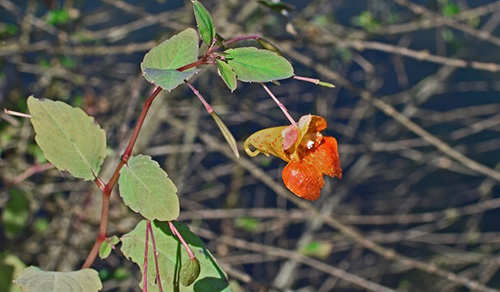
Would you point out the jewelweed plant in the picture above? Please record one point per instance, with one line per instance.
(170, 256)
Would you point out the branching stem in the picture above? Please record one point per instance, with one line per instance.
(108, 188)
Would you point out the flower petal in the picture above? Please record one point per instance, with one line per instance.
(325, 158)
(267, 141)
(302, 179)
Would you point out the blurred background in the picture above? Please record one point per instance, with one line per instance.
(415, 109)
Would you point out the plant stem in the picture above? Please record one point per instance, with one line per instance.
(181, 239)
(145, 262)
(16, 114)
(282, 107)
(235, 40)
(106, 192)
(306, 79)
(208, 107)
(155, 253)
(108, 188)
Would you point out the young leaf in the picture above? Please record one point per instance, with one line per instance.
(167, 79)
(69, 138)
(33, 279)
(173, 53)
(16, 213)
(226, 133)
(172, 256)
(146, 189)
(257, 65)
(227, 74)
(189, 272)
(107, 245)
(204, 22)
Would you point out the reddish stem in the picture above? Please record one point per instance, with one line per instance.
(282, 107)
(155, 253)
(145, 262)
(181, 239)
(29, 172)
(208, 107)
(306, 79)
(106, 191)
(108, 188)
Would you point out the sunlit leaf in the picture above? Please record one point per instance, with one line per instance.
(204, 22)
(227, 74)
(172, 256)
(35, 280)
(16, 213)
(257, 65)
(69, 138)
(189, 272)
(167, 79)
(146, 189)
(173, 53)
(226, 133)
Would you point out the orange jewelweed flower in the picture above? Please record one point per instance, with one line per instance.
(309, 154)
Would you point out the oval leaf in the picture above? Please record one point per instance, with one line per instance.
(167, 79)
(146, 189)
(68, 137)
(175, 52)
(172, 256)
(35, 280)
(227, 74)
(257, 65)
(204, 22)
(189, 272)
(226, 133)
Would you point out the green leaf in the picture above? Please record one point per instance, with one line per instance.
(247, 223)
(69, 138)
(57, 17)
(450, 9)
(173, 53)
(226, 133)
(167, 79)
(107, 245)
(319, 249)
(266, 44)
(257, 65)
(189, 272)
(33, 279)
(171, 256)
(10, 268)
(146, 189)
(227, 74)
(204, 22)
(16, 213)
